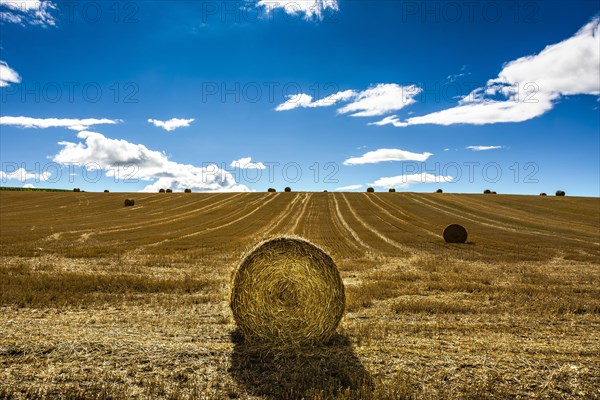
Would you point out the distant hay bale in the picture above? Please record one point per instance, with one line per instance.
(169, 190)
(271, 190)
(161, 191)
(324, 191)
(287, 189)
(188, 190)
(370, 190)
(560, 193)
(129, 202)
(106, 191)
(77, 190)
(494, 193)
(392, 190)
(455, 233)
(543, 194)
(487, 191)
(439, 191)
(287, 292)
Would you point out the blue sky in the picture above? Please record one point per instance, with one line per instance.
(326, 94)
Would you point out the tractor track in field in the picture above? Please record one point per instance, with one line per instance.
(371, 229)
(352, 232)
(301, 214)
(269, 231)
(403, 222)
(469, 216)
(215, 228)
(89, 232)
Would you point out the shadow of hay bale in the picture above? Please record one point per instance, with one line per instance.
(322, 371)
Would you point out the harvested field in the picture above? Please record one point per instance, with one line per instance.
(99, 300)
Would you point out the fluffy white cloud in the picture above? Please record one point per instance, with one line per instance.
(381, 155)
(171, 124)
(28, 186)
(527, 87)
(32, 12)
(43, 123)
(8, 75)
(404, 181)
(136, 161)
(23, 175)
(350, 187)
(483, 148)
(246, 163)
(381, 99)
(308, 8)
(374, 101)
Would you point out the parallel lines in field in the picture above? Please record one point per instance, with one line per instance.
(362, 221)
(300, 217)
(281, 227)
(242, 210)
(478, 219)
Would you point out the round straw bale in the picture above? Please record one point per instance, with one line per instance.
(287, 291)
(106, 191)
(271, 190)
(439, 191)
(161, 190)
(77, 190)
(188, 190)
(455, 234)
(560, 193)
(370, 190)
(392, 190)
(287, 189)
(169, 190)
(129, 202)
(543, 194)
(487, 191)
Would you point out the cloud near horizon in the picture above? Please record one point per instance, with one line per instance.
(126, 160)
(44, 123)
(22, 175)
(527, 87)
(246, 163)
(404, 181)
(172, 124)
(349, 187)
(382, 155)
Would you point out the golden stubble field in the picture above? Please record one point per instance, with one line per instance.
(103, 301)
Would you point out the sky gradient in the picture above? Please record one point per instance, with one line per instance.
(316, 95)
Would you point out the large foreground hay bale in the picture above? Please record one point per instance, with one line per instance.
(455, 233)
(129, 202)
(288, 292)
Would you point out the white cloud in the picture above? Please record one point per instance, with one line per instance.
(404, 181)
(483, 148)
(381, 99)
(8, 75)
(136, 161)
(43, 123)
(374, 101)
(295, 101)
(171, 124)
(23, 175)
(309, 8)
(28, 186)
(32, 12)
(390, 120)
(529, 86)
(381, 155)
(350, 187)
(246, 163)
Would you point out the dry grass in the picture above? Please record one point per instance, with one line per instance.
(96, 305)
